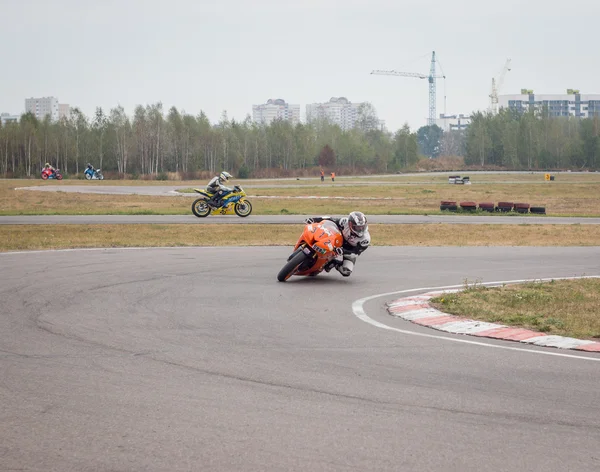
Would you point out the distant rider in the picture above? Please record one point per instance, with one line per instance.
(47, 166)
(219, 190)
(355, 230)
(90, 167)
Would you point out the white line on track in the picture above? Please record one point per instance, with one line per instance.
(359, 312)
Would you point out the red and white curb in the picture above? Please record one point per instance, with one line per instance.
(417, 310)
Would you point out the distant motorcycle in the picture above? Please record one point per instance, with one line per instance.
(233, 203)
(91, 174)
(49, 174)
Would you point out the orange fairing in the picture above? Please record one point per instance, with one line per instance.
(326, 241)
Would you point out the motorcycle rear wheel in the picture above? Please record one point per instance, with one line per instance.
(100, 176)
(200, 208)
(59, 177)
(291, 266)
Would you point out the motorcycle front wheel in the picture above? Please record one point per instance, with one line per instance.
(291, 266)
(44, 176)
(88, 176)
(243, 208)
(200, 208)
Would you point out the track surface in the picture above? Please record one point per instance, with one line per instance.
(197, 359)
(285, 219)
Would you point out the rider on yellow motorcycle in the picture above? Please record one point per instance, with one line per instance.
(219, 190)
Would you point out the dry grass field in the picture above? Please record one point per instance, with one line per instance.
(569, 195)
(25, 237)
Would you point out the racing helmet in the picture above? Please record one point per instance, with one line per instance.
(224, 176)
(357, 224)
(47, 164)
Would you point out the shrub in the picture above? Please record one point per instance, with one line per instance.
(244, 172)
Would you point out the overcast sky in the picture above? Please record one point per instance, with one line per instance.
(231, 54)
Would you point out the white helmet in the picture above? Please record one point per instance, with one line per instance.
(356, 225)
(224, 176)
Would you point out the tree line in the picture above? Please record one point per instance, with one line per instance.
(153, 141)
(533, 140)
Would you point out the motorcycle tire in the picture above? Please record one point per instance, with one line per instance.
(291, 266)
(88, 176)
(243, 208)
(100, 176)
(201, 211)
(59, 177)
(44, 176)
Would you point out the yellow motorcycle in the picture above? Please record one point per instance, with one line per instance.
(234, 202)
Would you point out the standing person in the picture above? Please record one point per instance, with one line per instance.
(333, 176)
(322, 176)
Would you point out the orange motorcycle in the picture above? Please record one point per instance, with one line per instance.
(315, 251)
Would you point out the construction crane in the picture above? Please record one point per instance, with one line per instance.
(431, 79)
(496, 86)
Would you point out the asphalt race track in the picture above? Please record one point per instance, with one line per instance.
(197, 359)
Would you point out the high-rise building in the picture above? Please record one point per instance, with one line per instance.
(572, 103)
(274, 110)
(338, 110)
(40, 107)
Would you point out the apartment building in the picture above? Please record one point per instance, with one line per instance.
(275, 109)
(338, 110)
(572, 103)
(41, 107)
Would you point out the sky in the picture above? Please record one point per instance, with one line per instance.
(227, 55)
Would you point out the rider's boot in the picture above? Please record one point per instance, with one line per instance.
(212, 201)
(331, 264)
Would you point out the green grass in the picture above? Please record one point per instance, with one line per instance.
(560, 307)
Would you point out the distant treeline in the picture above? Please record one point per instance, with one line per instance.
(155, 142)
(533, 141)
